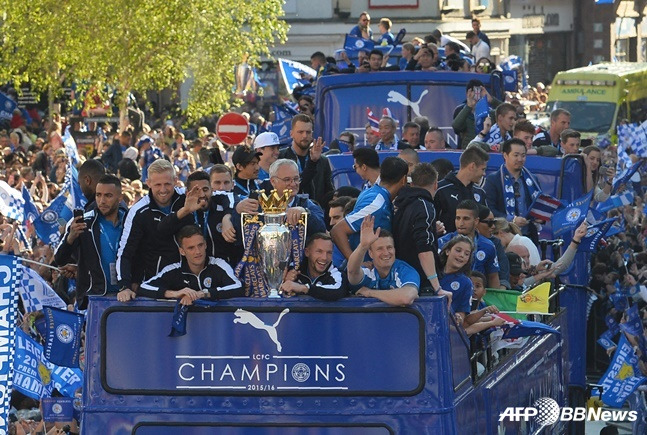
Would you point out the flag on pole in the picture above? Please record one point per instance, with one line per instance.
(63, 339)
(515, 328)
(70, 148)
(355, 43)
(36, 293)
(606, 340)
(568, 218)
(12, 204)
(624, 176)
(30, 212)
(535, 300)
(282, 124)
(543, 207)
(594, 234)
(481, 111)
(623, 375)
(504, 300)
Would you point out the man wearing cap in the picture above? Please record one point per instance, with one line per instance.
(316, 175)
(245, 161)
(149, 152)
(267, 144)
(516, 271)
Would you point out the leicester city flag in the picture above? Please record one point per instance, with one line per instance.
(8, 301)
(568, 218)
(593, 235)
(481, 111)
(7, 106)
(623, 375)
(295, 74)
(355, 43)
(63, 336)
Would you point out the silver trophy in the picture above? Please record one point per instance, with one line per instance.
(274, 241)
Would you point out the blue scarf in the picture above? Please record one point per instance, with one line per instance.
(507, 181)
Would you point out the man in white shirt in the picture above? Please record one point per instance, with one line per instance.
(479, 48)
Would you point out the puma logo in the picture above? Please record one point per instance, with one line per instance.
(454, 196)
(245, 317)
(396, 97)
(158, 219)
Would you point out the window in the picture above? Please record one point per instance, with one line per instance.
(597, 27)
(597, 43)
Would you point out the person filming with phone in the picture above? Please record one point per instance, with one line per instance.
(464, 124)
(92, 238)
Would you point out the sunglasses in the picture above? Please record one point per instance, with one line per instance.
(489, 222)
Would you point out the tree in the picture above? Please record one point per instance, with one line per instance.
(138, 45)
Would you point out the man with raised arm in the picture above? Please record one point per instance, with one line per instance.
(390, 280)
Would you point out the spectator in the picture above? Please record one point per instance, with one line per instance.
(207, 277)
(411, 134)
(592, 157)
(336, 209)
(390, 280)
(388, 139)
(506, 115)
(91, 241)
(425, 59)
(434, 140)
(570, 141)
(316, 175)
(525, 131)
(485, 257)
(245, 161)
(511, 190)
(267, 144)
(149, 153)
(142, 253)
(376, 201)
(455, 188)
(408, 51)
(376, 62)
(443, 41)
(485, 227)
(464, 123)
(371, 137)
(476, 27)
(367, 166)
(560, 120)
(412, 158)
(363, 27)
(317, 276)
(455, 259)
(90, 172)
(386, 37)
(480, 49)
(510, 234)
(443, 167)
(414, 226)
(113, 156)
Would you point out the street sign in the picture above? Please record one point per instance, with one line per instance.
(232, 128)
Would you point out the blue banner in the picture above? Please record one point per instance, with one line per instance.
(356, 43)
(593, 235)
(622, 377)
(35, 377)
(7, 106)
(571, 217)
(295, 74)
(8, 301)
(272, 351)
(57, 409)
(63, 339)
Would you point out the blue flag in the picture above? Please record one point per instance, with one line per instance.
(606, 340)
(7, 106)
(57, 408)
(571, 216)
(593, 235)
(481, 111)
(35, 292)
(70, 148)
(282, 124)
(295, 74)
(624, 177)
(612, 324)
(30, 211)
(526, 328)
(623, 375)
(63, 336)
(47, 223)
(355, 43)
(36, 377)
(619, 300)
(615, 201)
(633, 324)
(8, 302)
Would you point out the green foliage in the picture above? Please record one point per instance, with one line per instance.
(138, 45)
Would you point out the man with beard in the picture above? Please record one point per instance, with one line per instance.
(316, 175)
(92, 241)
(317, 277)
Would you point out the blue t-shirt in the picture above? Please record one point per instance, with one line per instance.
(400, 275)
(108, 244)
(375, 201)
(461, 288)
(150, 155)
(484, 258)
(262, 176)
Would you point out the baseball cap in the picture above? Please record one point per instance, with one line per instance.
(266, 139)
(244, 155)
(516, 263)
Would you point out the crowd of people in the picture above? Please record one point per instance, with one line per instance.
(161, 207)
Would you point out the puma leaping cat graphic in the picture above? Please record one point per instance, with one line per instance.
(245, 317)
(396, 97)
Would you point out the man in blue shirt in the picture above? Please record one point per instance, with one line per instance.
(376, 202)
(485, 259)
(391, 281)
(92, 241)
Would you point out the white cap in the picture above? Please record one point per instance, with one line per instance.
(266, 139)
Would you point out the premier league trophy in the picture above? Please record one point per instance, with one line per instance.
(270, 246)
(274, 247)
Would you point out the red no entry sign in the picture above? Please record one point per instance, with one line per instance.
(232, 128)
